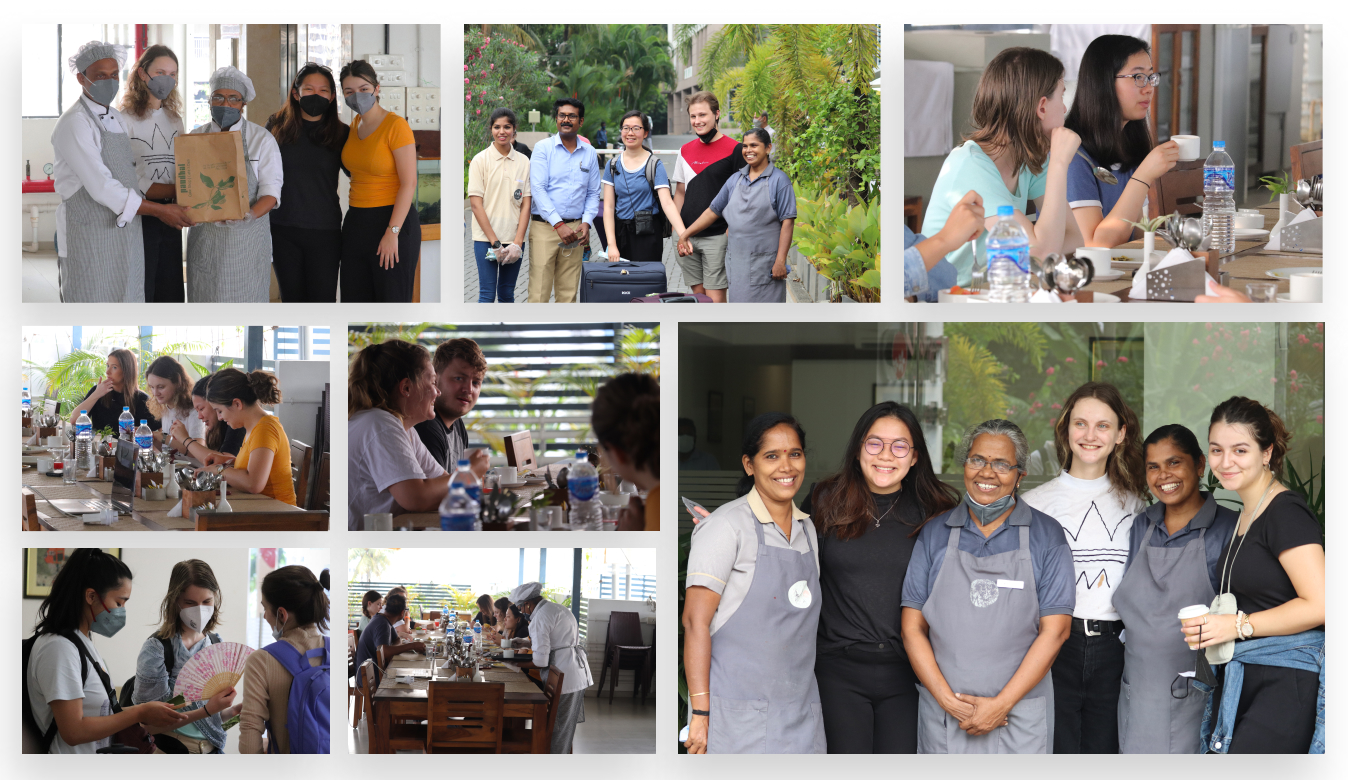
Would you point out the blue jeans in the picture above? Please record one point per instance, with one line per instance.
(493, 279)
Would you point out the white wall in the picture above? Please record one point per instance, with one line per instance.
(597, 617)
(301, 384)
(423, 56)
(829, 396)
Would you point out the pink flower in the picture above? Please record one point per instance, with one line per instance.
(1056, 406)
(1123, 359)
(486, 41)
(1273, 379)
(1195, 342)
(479, 111)
(1320, 418)
(1319, 327)
(1320, 346)
(465, 68)
(1293, 374)
(1208, 325)
(1051, 370)
(1195, 388)
(484, 73)
(468, 97)
(1245, 333)
(1069, 360)
(1203, 361)
(492, 66)
(549, 89)
(1099, 364)
(1031, 397)
(465, 81)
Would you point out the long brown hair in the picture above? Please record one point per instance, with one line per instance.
(136, 98)
(1269, 431)
(842, 504)
(287, 123)
(1006, 104)
(215, 435)
(126, 360)
(170, 369)
(376, 372)
(1126, 464)
(186, 574)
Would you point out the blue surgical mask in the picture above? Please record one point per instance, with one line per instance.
(986, 513)
(225, 116)
(103, 91)
(109, 622)
(360, 102)
(161, 86)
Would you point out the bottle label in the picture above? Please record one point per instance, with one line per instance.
(1020, 256)
(456, 522)
(1219, 177)
(145, 442)
(583, 488)
(82, 429)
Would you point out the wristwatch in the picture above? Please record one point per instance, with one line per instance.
(1244, 629)
(496, 245)
(395, 229)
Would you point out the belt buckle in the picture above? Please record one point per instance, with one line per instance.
(1086, 625)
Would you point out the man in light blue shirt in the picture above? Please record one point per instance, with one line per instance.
(926, 269)
(564, 185)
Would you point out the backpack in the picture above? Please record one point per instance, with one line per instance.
(666, 229)
(129, 687)
(307, 717)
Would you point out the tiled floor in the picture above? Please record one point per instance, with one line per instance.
(41, 281)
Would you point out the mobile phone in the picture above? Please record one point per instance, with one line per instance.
(690, 504)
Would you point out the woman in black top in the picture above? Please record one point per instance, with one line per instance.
(1275, 568)
(220, 438)
(486, 615)
(105, 400)
(306, 229)
(515, 625)
(868, 515)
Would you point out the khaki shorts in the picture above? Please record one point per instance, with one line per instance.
(706, 265)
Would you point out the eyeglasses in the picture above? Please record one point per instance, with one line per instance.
(899, 447)
(633, 129)
(977, 462)
(560, 117)
(1142, 79)
(220, 100)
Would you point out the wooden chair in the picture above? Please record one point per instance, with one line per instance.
(624, 649)
(518, 739)
(28, 511)
(464, 717)
(301, 466)
(401, 736)
(353, 695)
(1177, 190)
(1307, 160)
(260, 521)
(912, 213)
(322, 484)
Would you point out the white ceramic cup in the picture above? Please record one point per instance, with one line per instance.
(53, 441)
(507, 652)
(1100, 257)
(45, 464)
(509, 474)
(1307, 287)
(1189, 146)
(379, 521)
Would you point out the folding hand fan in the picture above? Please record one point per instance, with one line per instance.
(214, 669)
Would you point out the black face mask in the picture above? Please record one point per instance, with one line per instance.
(314, 105)
(706, 139)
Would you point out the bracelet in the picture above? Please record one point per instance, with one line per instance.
(207, 708)
(704, 693)
(1139, 181)
(703, 713)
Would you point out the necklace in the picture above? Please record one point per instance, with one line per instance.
(882, 514)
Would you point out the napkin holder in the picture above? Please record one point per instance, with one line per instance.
(1307, 236)
(106, 462)
(151, 479)
(196, 498)
(1180, 282)
(44, 431)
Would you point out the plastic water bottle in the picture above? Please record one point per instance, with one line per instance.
(466, 479)
(26, 402)
(84, 447)
(582, 482)
(458, 512)
(1219, 199)
(1008, 256)
(477, 634)
(144, 437)
(126, 424)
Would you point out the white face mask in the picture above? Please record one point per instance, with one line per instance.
(196, 617)
(685, 444)
(278, 629)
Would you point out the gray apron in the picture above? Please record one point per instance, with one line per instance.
(231, 264)
(980, 633)
(764, 698)
(1161, 582)
(103, 263)
(752, 234)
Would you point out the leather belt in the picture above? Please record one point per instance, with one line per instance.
(1098, 627)
(537, 218)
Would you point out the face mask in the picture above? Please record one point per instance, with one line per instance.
(710, 134)
(225, 116)
(278, 629)
(314, 105)
(161, 86)
(360, 102)
(197, 617)
(109, 622)
(985, 514)
(103, 91)
(685, 445)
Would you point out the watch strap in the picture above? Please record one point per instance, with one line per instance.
(703, 713)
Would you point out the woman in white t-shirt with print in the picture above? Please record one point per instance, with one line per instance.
(171, 401)
(390, 389)
(87, 597)
(1095, 498)
(152, 112)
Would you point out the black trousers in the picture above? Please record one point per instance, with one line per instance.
(869, 702)
(637, 248)
(307, 262)
(1086, 679)
(1276, 711)
(363, 280)
(163, 261)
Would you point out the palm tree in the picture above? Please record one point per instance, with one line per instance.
(367, 563)
(730, 45)
(70, 377)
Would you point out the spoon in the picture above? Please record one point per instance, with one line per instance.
(1191, 234)
(1100, 173)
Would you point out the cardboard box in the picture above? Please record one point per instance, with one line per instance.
(211, 176)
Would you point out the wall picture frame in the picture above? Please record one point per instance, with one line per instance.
(41, 565)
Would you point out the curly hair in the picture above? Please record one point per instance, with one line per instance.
(136, 98)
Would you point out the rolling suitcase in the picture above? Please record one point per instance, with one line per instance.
(673, 297)
(620, 282)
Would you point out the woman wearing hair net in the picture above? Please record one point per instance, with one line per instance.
(230, 261)
(98, 231)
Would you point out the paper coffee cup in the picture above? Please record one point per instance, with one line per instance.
(1189, 146)
(1100, 257)
(1197, 610)
(1306, 287)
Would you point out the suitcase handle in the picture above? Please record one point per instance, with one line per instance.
(680, 299)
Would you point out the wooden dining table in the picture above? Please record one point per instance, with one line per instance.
(1250, 263)
(394, 700)
(430, 521)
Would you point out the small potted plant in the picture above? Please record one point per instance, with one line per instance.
(1283, 187)
(1148, 228)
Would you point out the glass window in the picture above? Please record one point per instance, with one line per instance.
(42, 70)
(73, 36)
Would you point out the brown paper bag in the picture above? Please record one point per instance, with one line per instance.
(211, 175)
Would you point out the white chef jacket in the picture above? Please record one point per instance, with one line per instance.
(78, 147)
(553, 631)
(152, 141)
(262, 151)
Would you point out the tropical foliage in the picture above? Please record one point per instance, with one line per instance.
(842, 241)
(69, 379)
(367, 563)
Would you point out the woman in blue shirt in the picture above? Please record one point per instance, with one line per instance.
(1115, 88)
(633, 204)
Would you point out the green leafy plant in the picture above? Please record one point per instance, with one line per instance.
(218, 192)
(1311, 488)
(1281, 184)
(842, 242)
(1149, 225)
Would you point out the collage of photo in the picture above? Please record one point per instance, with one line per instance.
(949, 531)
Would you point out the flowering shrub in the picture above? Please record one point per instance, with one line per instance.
(497, 72)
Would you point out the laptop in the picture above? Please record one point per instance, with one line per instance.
(123, 486)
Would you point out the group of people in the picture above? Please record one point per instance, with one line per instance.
(72, 705)
(219, 420)
(724, 198)
(119, 225)
(525, 617)
(1028, 147)
(406, 429)
(889, 614)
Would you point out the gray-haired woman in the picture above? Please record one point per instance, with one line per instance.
(987, 602)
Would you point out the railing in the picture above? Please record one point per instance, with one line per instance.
(643, 587)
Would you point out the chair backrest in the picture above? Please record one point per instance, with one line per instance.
(1177, 190)
(322, 485)
(368, 682)
(260, 521)
(552, 689)
(28, 511)
(301, 466)
(624, 628)
(464, 715)
(384, 654)
(1307, 160)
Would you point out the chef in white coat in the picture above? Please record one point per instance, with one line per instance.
(98, 227)
(231, 261)
(556, 642)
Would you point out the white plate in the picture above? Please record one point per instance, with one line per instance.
(1251, 234)
(1108, 276)
(1101, 297)
(1286, 273)
(512, 484)
(1287, 298)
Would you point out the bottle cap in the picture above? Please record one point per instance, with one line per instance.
(1006, 211)
(142, 422)
(463, 463)
(126, 408)
(1219, 144)
(582, 454)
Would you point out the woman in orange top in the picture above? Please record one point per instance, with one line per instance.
(381, 235)
(263, 463)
